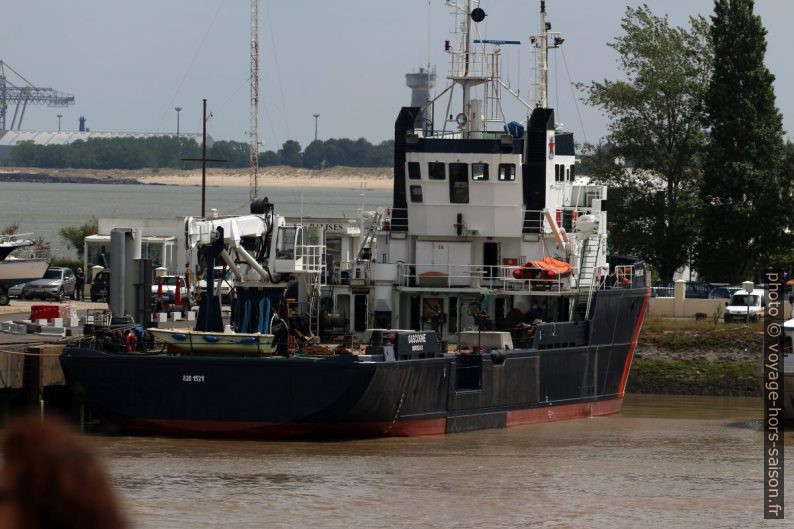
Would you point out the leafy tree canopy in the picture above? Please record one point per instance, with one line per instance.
(75, 235)
(656, 136)
(746, 190)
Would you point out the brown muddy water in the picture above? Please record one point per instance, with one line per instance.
(672, 462)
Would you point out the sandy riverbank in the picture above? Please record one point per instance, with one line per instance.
(279, 176)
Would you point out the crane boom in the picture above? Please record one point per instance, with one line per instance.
(24, 93)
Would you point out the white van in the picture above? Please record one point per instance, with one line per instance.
(741, 304)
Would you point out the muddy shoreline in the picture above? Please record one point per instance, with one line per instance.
(46, 178)
(724, 360)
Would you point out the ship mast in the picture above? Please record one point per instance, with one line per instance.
(543, 67)
(468, 67)
(545, 41)
(467, 71)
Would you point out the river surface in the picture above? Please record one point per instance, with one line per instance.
(44, 208)
(671, 462)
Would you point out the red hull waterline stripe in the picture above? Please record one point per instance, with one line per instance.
(580, 410)
(263, 430)
(401, 428)
(634, 336)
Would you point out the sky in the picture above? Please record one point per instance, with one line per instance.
(129, 64)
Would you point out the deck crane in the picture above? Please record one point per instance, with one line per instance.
(267, 257)
(22, 93)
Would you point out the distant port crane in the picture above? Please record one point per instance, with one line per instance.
(22, 92)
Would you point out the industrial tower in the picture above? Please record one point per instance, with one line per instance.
(420, 84)
(23, 93)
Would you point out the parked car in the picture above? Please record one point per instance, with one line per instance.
(15, 291)
(744, 306)
(723, 292)
(100, 286)
(58, 283)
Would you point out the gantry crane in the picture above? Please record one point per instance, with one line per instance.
(22, 93)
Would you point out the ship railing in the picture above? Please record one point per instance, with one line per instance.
(445, 134)
(310, 258)
(565, 216)
(349, 272)
(533, 219)
(15, 237)
(489, 277)
(623, 276)
(392, 214)
(475, 64)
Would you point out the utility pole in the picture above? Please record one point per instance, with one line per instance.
(315, 126)
(178, 110)
(59, 121)
(203, 160)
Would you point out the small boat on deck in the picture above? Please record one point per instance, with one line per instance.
(198, 342)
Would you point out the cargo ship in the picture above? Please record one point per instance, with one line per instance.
(483, 298)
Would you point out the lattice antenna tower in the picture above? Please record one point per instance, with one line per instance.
(254, 125)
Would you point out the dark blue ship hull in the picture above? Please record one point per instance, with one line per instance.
(572, 369)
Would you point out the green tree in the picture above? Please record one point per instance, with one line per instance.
(656, 134)
(290, 153)
(314, 155)
(234, 152)
(75, 235)
(746, 194)
(269, 158)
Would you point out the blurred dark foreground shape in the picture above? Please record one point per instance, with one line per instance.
(52, 478)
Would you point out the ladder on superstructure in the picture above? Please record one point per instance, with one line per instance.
(591, 250)
(366, 241)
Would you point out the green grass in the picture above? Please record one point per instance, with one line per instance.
(691, 334)
(679, 377)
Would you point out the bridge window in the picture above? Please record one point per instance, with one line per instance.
(416, 193)
(572, 174)
(414, 171)
(559, 173)
(459, 183)
(479, 171)
(436, 171)
(507, 172)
